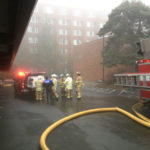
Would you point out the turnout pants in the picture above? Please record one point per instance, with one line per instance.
(39, 95)
(55, 92)
(78, 90)
(69, 93)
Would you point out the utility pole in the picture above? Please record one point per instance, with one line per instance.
(103, 61)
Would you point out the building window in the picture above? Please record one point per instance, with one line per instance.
(88, 41)
(63, 32)
(63, 41)
(77, 23)
(33, 19)
(33, 50)
(63, 11)
(77, 33)
(33, 40)
(50, 21)
(29, 29)
(36, 9)
(90, 33)
(64, 50)
(63, 22)
(77, 13)
(76, 42)
(32, 29)
(90, 24)
(91, 15)
(49, 10)
(79, 57)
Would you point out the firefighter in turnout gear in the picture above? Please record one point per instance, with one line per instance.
(54, 87)
(68, 86)
(79, 84)
(62, 84)
(39, 88)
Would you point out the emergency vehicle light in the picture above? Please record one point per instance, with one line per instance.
(141, 61)
(21, 74)
(147, 60)
(144, 61)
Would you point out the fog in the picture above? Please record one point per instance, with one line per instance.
(57, 28)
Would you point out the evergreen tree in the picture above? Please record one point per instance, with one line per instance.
(127, 24)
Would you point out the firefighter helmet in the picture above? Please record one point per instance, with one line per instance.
(53, 75)
(61, 75)
(67, 75)
(78, 73)
(40, 77)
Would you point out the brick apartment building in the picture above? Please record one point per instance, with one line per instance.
(72, 27)
(87, 59)
(78, 44)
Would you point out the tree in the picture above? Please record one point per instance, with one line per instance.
(127, 24)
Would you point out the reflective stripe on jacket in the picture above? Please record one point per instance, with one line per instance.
(54, 87)
(68, 83)
(38, 85)
(62, 83)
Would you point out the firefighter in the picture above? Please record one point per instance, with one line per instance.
(79, 84)
(68, 86)
(62, 84)
(39, 88)
(54, 87)
(47, 84)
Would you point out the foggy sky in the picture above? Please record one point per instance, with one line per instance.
(105, 6)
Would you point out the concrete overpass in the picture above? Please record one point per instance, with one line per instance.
(14, 18)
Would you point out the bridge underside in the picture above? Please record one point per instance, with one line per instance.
(14, 18)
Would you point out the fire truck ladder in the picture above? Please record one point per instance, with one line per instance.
(136, 80)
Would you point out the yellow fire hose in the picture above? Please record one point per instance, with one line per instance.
(143, 121)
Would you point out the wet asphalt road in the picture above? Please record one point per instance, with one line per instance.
(22, 121)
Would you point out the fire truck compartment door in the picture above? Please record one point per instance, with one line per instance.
(31, 81)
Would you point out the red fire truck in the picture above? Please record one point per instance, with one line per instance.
(24, 82)
(141, 79)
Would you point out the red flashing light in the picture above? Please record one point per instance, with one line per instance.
(21, 74)
(147, 60)
(144, 61)
(141, 61)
